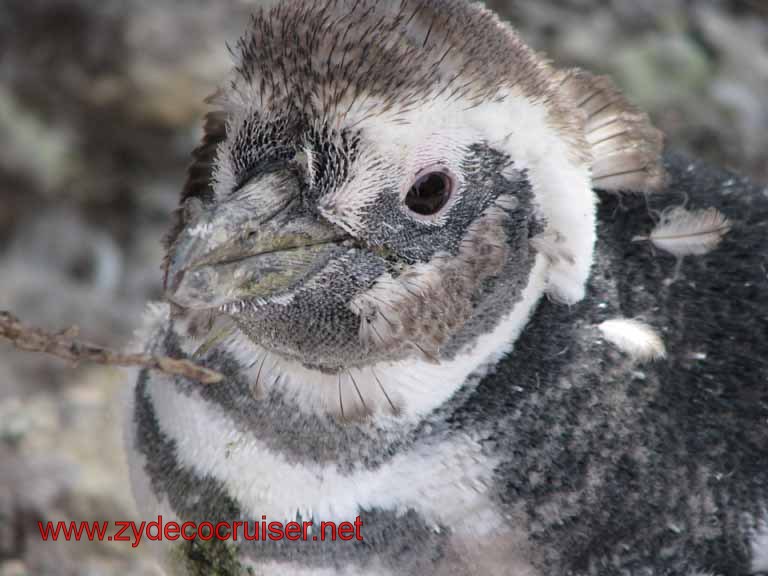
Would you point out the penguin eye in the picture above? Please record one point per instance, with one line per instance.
(430, 193)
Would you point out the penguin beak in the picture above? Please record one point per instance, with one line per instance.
(256, 245)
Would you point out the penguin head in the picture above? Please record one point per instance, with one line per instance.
(382, 182)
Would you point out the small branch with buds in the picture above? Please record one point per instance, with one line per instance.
(66, 346)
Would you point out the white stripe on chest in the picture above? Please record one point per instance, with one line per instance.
(445, 481)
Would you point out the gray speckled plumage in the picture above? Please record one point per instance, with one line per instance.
(561, 455)
(618, 469)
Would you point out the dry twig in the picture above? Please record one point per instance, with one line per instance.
(64, 345)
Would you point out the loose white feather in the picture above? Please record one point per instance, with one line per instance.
(681, 232)
(550, 244)
(635, 338)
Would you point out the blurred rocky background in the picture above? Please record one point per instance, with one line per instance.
(100, 102)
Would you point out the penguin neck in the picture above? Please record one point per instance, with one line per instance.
(390, 394)
(270, 418)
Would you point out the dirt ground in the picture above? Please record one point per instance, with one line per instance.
(100, 102)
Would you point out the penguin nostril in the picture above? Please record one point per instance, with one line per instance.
(172, 282)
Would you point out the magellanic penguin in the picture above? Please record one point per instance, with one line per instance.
(428, 321)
